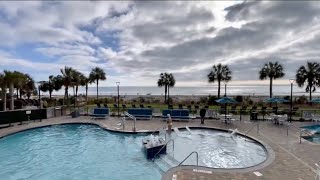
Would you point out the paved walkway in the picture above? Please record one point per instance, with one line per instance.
(292, 159)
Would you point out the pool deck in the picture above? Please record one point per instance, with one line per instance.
(292, 160)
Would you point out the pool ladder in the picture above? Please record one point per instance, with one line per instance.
(132, 117)
(197, 156)
(171, 140)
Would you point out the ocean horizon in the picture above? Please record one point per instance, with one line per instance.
(232, 90)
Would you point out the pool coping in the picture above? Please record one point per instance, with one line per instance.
(270, 153)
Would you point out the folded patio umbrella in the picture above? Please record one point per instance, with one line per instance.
(276, 100)
(226, 101)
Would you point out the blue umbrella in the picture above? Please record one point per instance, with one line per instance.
(315, 100)
(226, 100)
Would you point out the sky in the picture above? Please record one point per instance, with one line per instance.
(134, 41)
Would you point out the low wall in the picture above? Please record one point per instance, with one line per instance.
(7, 117)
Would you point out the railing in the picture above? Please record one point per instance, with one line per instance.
(171, 140)
(158, 129)
(255, 124)
(301, 131)
(133, 118)
(194, 152)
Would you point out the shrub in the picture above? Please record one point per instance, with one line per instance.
(212, 100)
(239, 99)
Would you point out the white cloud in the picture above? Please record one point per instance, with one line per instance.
(135, 41)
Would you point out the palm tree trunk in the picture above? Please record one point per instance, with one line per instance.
(219, 89)
(11, 96)
(168, 95)
(87, 97)
(165, 94)
(17, 93)
(50, 92)
(4, 97)
(20, 94)
(271, 79)
(97, 90)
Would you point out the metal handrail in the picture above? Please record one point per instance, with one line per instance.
(194, 152)
(158, 129)
(134, 120)
(305, 130)
(255, 124)
(164, 147)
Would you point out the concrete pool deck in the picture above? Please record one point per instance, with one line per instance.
(292, 160)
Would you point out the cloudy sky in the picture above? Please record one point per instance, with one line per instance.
(135, 41)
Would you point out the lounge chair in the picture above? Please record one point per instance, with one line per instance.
(141, 113)
(180, 106)
(189, 107)
(115, 106)
(98, 105)
(100, 113)
(170, 106)
(105, 105)
(141, 106)
(124, 106)
(275, 110)
(206, 107)
(133, 106)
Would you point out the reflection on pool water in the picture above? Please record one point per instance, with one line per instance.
(217, 149)
(74, 152)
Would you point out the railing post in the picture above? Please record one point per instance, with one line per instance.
(300, 135)
(288, 129)
(134, 125)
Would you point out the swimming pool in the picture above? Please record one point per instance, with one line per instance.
(315, 129)
(216, 149)
(74, 152)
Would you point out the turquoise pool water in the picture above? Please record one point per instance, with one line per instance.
(80, 152)
(314, 129)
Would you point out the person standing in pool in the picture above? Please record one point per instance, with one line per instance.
(202, 115)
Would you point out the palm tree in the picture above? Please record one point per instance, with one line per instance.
(167, 80)
(161, 83)
(96, 75)
(67, 74)
(272, 71)
(309, 75)
(12, 78)
(219, 73)
(28, 86)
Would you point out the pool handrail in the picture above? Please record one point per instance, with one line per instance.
(134, 120)
(255, 124)
(158, 130)
(193, 152)
(301, 131)
(164, 147)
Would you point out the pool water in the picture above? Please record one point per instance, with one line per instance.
(79, 152)
(217, 149)
(313, 129)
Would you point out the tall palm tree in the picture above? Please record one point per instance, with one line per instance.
(272, 71)
(67, 74)
(309, 75)
(28, 86)
(167, 80)
(96, 75)
(219, 73)
(170, 83)
(161, 83)
(12, 78)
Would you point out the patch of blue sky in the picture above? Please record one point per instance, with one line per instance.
(28, 51)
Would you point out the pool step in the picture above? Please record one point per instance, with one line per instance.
(166, 162)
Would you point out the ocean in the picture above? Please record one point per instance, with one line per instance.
(232, 90)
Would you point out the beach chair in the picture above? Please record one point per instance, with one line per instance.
(115, 106)
(253, 109)
(206, 107)
(170, 106)
(307, 115)
(141, 106)
(316, 117)
(180, 106)
(100, 113)
(133, 106)
(294, 110)
(124, 106)
(282, 119)
(98, 105)
(105, 105)
(150, 107)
